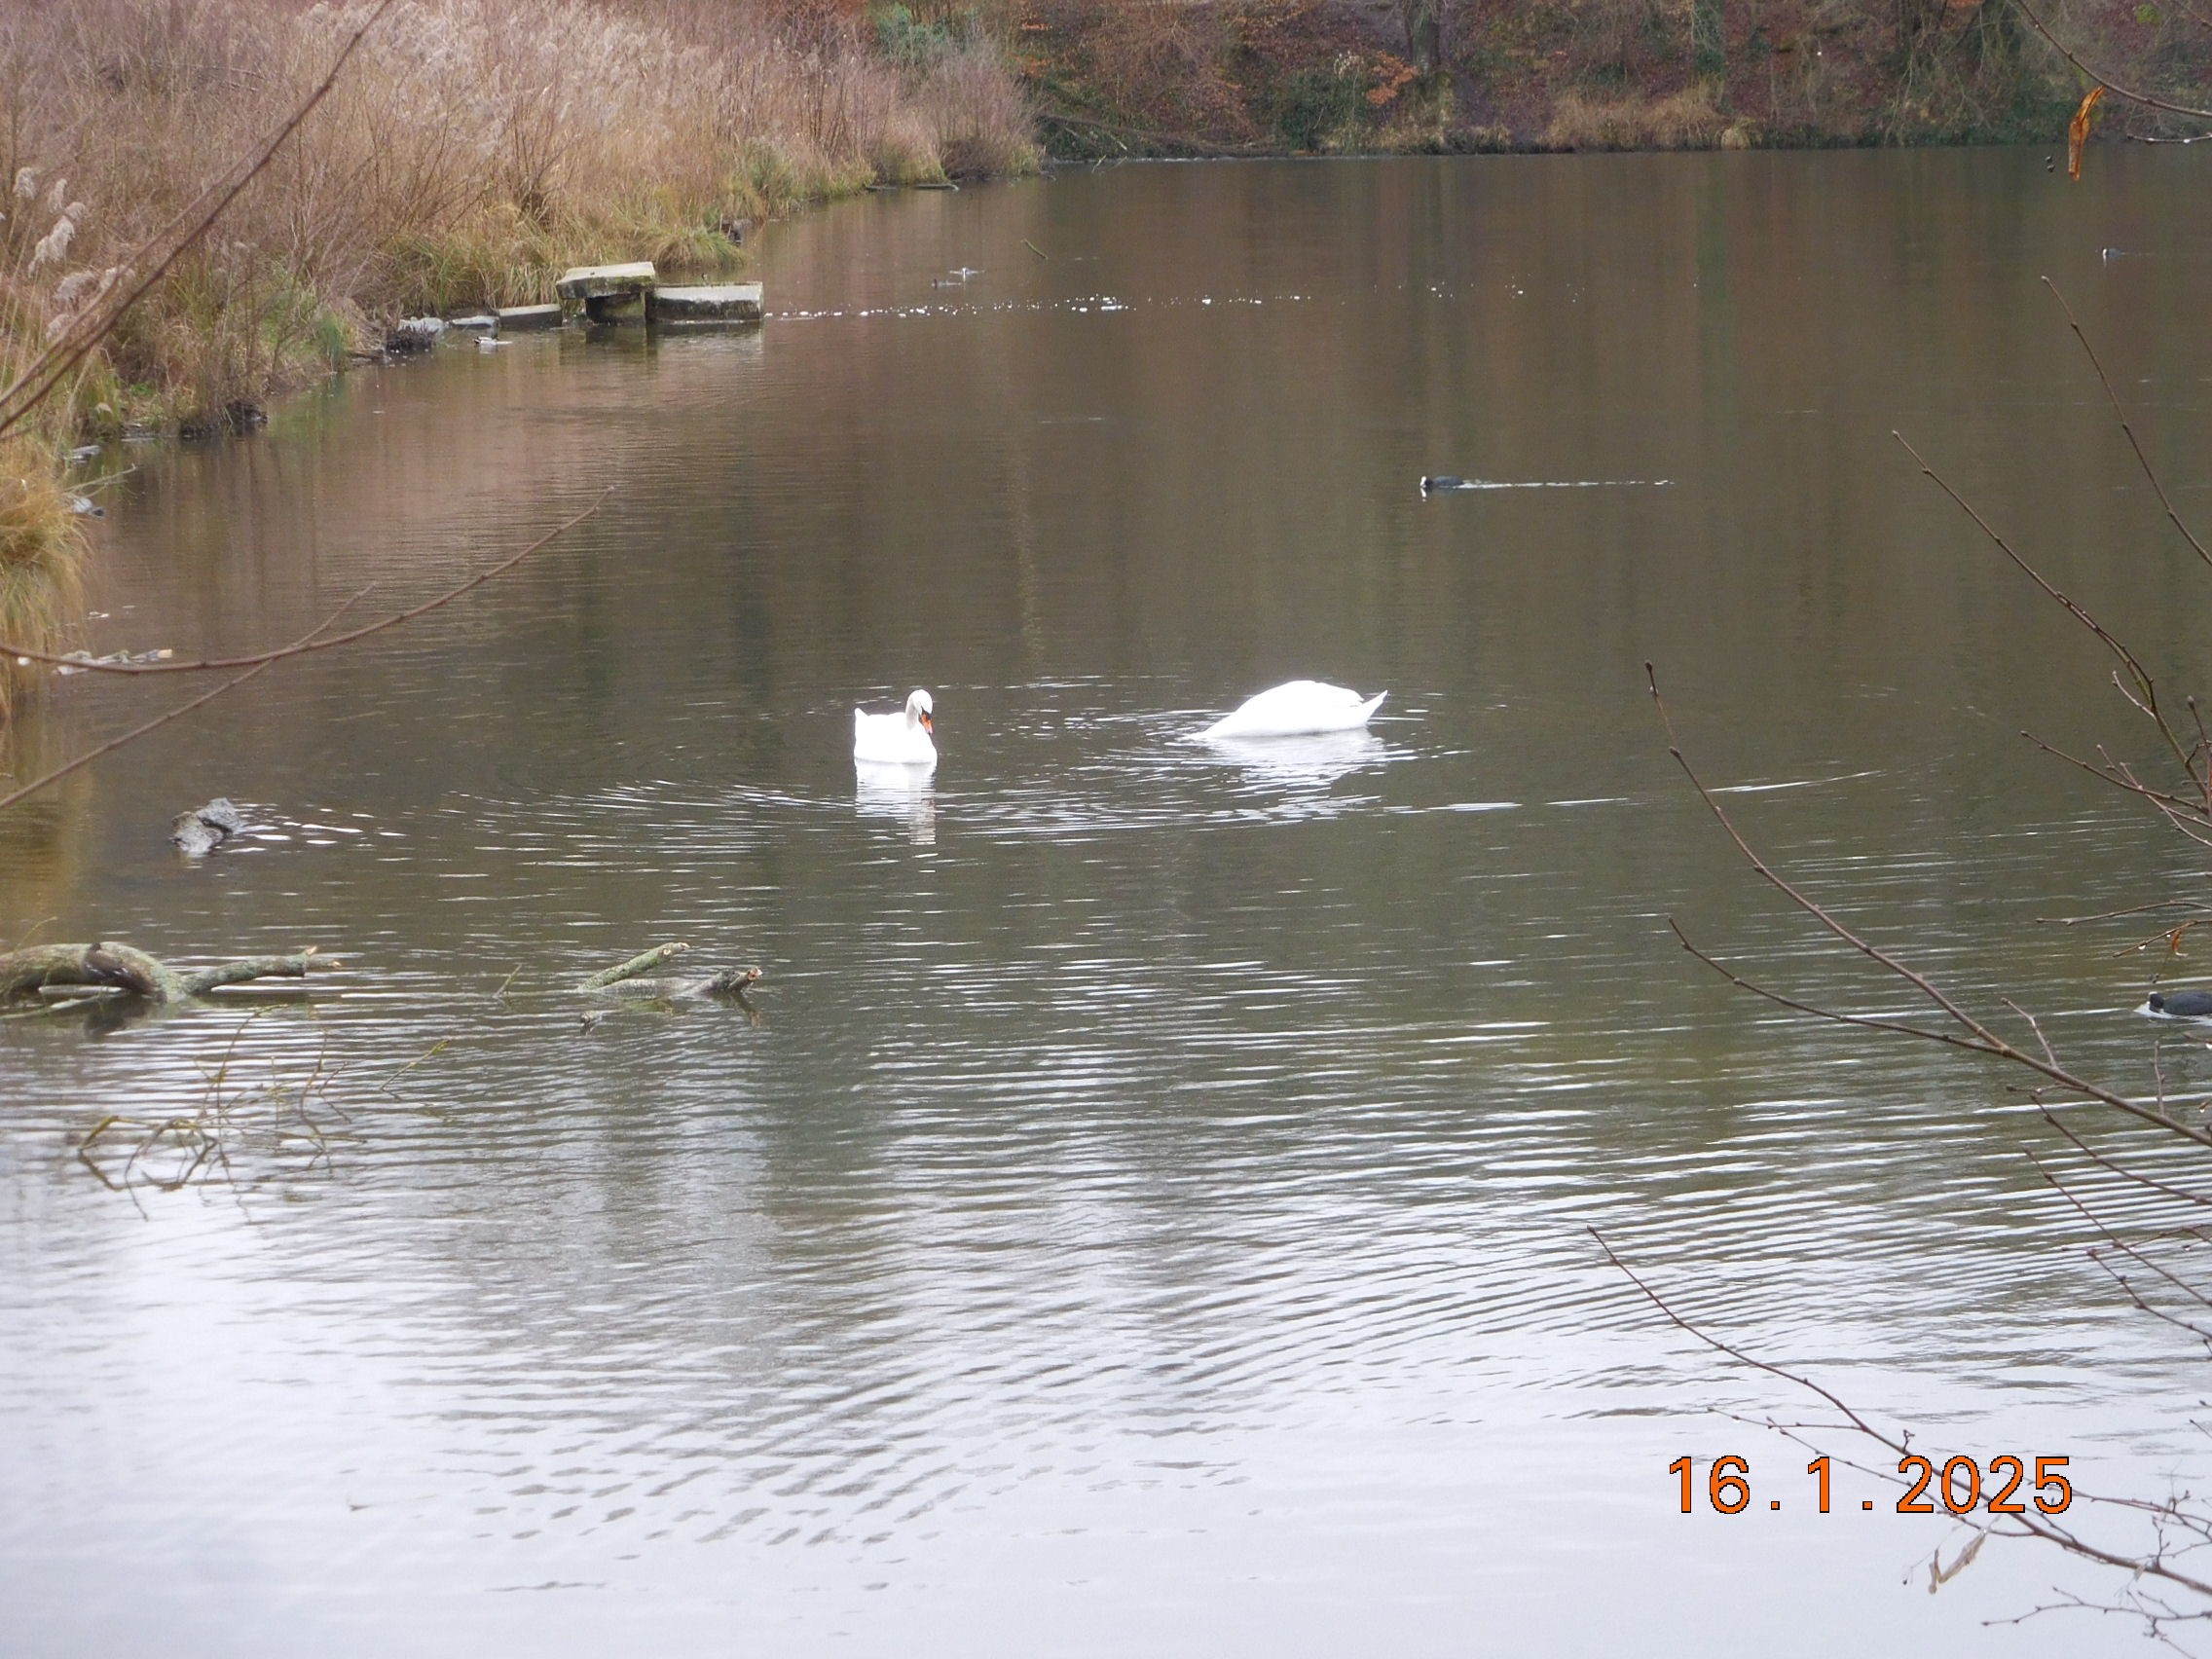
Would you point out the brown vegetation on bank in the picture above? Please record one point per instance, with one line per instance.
(1458, 75)
(472, 149)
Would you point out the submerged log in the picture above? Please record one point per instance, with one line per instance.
(722, 982)
(26, 975)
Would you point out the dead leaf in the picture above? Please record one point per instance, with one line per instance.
(1939, 1574)
(2077, 134)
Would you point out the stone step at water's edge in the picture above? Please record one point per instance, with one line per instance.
(599, 282)
(722, 303)
(518, 319)
(606, 293)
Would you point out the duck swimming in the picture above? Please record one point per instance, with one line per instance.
(2178, 1005)
(1297, 708)
(899, 740)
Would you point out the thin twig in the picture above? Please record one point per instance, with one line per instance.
(2141, 459)
(2040, 1526)
(2145, 695)
(2099, 76)
(159, 721)
(45, 371)
(302, 647)
(1978, 1038)
(2117, 1168)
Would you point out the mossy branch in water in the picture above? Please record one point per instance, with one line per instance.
(106, 966)
(641, 964)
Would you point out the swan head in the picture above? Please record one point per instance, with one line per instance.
(919, 710)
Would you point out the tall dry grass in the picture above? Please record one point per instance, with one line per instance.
(473, 149)
(1688, 120)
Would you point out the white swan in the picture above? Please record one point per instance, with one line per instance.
(1293, 710)
(899, 740)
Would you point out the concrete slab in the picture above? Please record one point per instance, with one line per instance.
(519, 319)
(723, 303)
(601, 281)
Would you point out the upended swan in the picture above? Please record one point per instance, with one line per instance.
(1301, 707)
(897, 740)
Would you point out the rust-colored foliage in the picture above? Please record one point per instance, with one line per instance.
(2077, 134)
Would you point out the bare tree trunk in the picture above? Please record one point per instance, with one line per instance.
(1424, 34)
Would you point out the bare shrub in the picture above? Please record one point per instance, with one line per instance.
(981, 118)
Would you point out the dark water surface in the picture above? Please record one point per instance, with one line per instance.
(1147, 1214)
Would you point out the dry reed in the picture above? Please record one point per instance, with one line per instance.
(471, 150)
(1687, 120)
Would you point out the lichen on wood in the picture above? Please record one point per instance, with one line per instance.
(636, 966)
(104, 965)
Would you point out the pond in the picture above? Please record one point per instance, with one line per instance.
(1147, 1207)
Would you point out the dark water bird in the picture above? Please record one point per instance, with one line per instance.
(102, 967)
(2179, 1005)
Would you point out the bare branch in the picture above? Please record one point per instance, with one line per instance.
(2147, 100)
(302, 648)
(2121, 1169)
(2142, 461)
(309, 642)
(46, 370)
(1843, 1409)
(1978, 1038)
(159, 721)
(2033, 1526)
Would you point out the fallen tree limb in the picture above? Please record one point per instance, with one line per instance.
(26, 975)
(722, 982)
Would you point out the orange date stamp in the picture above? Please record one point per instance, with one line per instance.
(1959, 1485)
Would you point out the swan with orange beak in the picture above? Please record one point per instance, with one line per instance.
(903, 739)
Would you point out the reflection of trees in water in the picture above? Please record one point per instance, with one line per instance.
(44, 839)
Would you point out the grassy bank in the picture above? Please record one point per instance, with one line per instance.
(471, 150)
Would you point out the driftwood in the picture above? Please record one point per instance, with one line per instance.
(722, 982)
(104, 966)
(636, 982)
(635, 968)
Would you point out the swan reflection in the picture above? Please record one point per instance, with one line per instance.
(907, 793)
(1302, 762)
